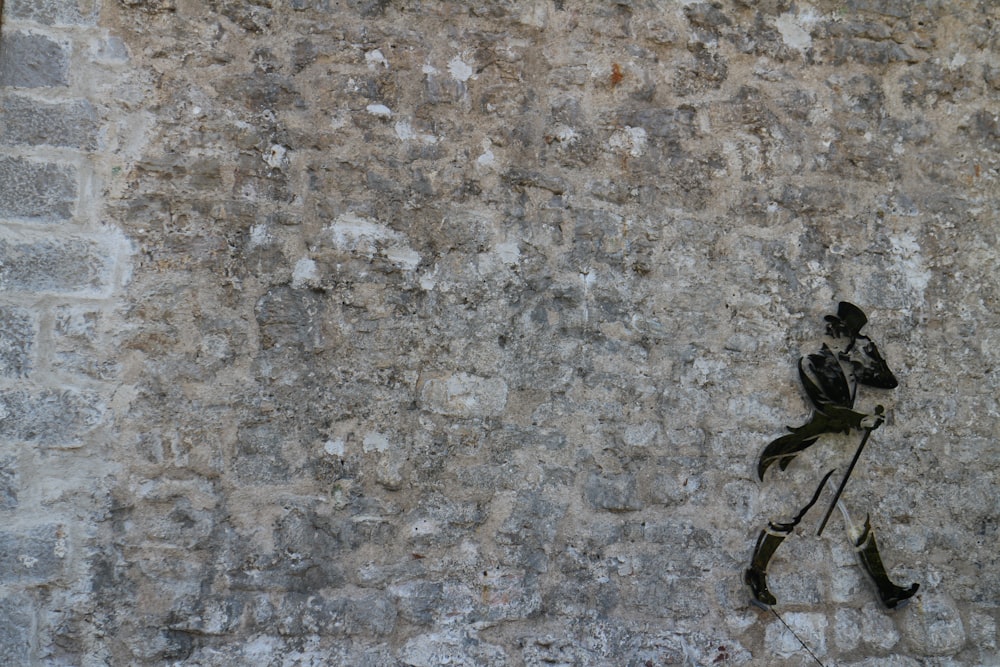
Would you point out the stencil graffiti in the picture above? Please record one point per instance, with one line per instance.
(831, 378)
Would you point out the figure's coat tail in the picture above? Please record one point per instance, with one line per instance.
(782, 450)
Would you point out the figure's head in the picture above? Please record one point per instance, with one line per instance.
(847, 323)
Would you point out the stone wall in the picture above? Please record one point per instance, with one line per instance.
(419, 333)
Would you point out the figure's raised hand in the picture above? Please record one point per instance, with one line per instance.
(874, 420)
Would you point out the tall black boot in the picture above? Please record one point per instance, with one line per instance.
(755, 576)
(891, 595)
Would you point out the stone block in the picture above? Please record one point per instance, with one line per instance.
(805, 627)
(371, 614)
(291, 318)
(847, 629)
(878, 629)
(934, 626)
(9, 480)
(69, 266)
(36, 190)
(48, 418)
(16, 629)
(464, 395)
(417, 601)
(17, 340)
(32, 556)
(54, 12)
(451, 647)
(615, 493)
(29, 60)
(27, 122)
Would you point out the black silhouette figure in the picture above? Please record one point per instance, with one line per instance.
(830, 378)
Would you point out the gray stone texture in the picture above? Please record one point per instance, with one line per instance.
(28, 122)
(47, 418)
(53, 12)
(17, 628)
(17, 341)
(70, 265)
(31, 60)
(414, 333)
(36, 190)
(32, 555)
(9, 480)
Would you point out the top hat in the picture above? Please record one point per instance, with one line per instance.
(850, 317)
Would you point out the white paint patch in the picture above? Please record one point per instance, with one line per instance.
(428, 281)
(259, 235)
(276, 157)
(459, 70)
(910, 262)
(429, 69)
(350, 228)
(629, 139)
(334, 447)
(405, 132)
(486, 159)
(374, 58)
(375, 442)
(379, 110)
(404, 257)
(357, 234)
(508, 253)
(792, 32)
(305, 273)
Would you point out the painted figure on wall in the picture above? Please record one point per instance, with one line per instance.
(830, 377)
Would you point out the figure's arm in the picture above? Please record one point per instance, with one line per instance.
(846, 418)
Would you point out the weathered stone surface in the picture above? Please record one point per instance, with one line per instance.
(70, 265)
(29, 60)
(936, 625)
(9, 483)
(451, 648)
(33, 555)
(407, 333)
(24, 121)
(17, 342)
(36, 190)
(464, 395)
(48, 418)
(17, 628)
(807, 628)
(53, 12)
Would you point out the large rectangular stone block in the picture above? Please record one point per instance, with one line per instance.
(28, 122)
(54, 12)
(17, 628)
(57, 266)
(17, 338)
(48, 418)
(36, 190)
(32, 556)
(9, 481)
(33, 61)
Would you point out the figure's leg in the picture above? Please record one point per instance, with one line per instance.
(755, 576)
(891, 595)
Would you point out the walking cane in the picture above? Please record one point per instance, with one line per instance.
(864, 440)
